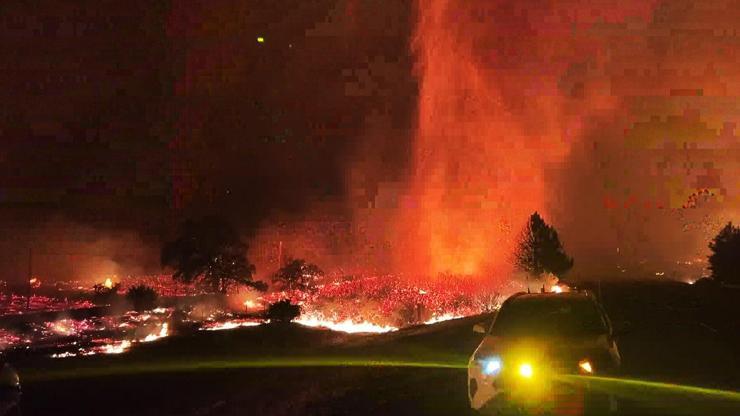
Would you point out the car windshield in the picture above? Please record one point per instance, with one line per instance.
(549, 316)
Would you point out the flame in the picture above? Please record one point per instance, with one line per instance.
(493, 115)
(348, 326)
(230, 324)
(62, 327)
(585, 365)
(63, 354)
(473, 157)
(114, 348)
(108, 283)
(442, 318)
(163, 332)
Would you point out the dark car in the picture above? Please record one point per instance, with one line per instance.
(535, 343)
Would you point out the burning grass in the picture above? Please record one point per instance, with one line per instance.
(381, 303)
(372, 304)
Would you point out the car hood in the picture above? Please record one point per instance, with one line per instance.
(550, 343)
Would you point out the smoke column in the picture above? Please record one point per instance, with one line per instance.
(495, 108)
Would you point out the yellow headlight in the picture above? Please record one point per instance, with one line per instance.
(585, 366)
(525, 370)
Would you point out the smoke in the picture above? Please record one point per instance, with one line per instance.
(60, 249)
(495, 107)
(648, 183)
(411, 137)
(611, 119)
(567, 108)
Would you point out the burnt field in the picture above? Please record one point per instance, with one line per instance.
(679, 334)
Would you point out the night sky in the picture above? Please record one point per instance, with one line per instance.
(121, 119)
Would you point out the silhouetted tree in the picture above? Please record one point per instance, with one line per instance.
(298, 274)
(283, 311)
(210, 252)
(142, 297)
(724, 262)
(540, 249)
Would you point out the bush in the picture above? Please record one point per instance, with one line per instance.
(283, 311)
(142, 297)
(103, 295)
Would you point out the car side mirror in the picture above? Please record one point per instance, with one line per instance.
(479, 329)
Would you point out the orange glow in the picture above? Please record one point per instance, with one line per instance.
(585, 366)
(108, 283)
(494, 121)
(163, 332)
(230, 324)
(347, 325)
(114, 348)
(478, 168)
(442, 318)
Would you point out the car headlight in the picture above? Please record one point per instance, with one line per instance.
(586, 367)
(525, 370)
(491, 366)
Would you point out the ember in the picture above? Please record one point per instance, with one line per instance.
(11, 304)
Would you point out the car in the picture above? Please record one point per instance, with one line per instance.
(538, 342)
(10, 391)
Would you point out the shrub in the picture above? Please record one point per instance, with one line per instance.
(283, 311)
(142, 297)
(103, 295)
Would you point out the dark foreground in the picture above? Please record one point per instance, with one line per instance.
(676, 337)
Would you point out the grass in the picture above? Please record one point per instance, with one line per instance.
(286, 370)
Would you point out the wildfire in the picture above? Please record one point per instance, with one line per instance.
(163, 332)
(231, 324)
(442, 318)
(108, 283)
(363, 304)
(66, 327)
(8, 339)
(348, 326)
(115, 348)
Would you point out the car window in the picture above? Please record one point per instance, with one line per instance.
(551, 316)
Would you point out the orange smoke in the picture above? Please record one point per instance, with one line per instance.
(495, 109)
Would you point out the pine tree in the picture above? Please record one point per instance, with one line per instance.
(724, 262)
(540, 250)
